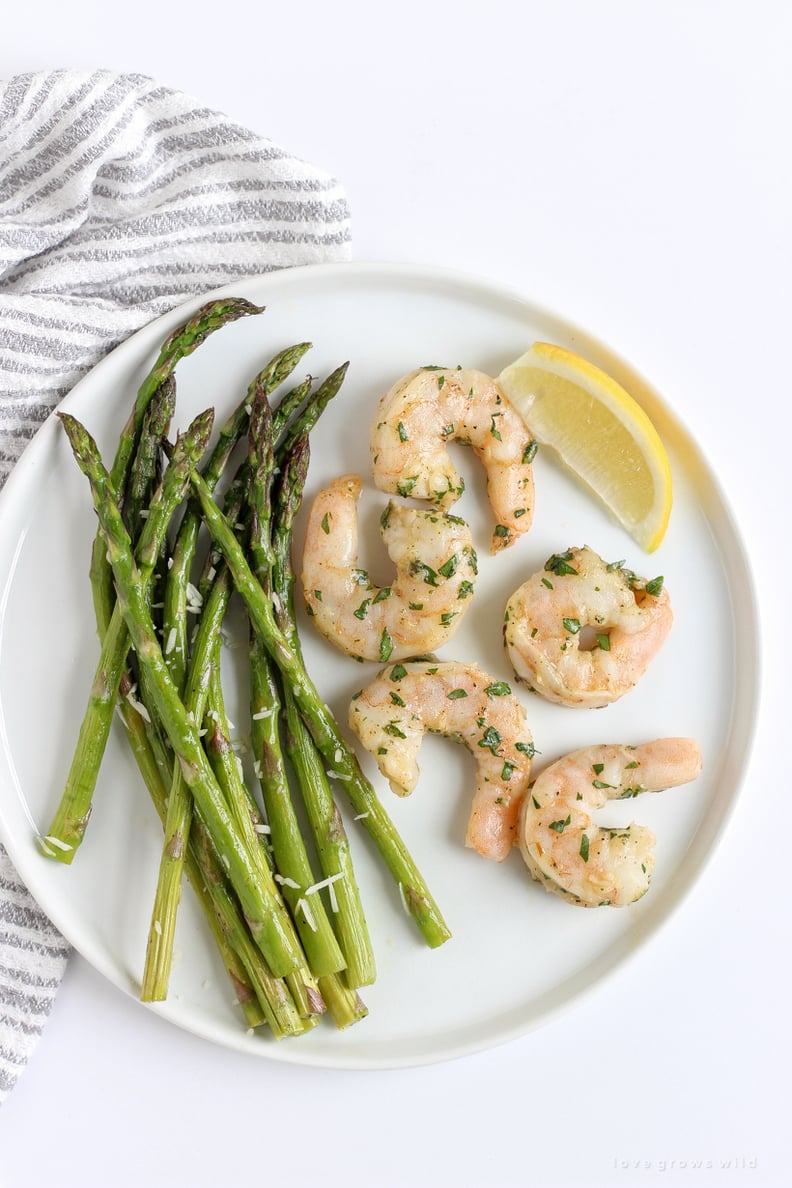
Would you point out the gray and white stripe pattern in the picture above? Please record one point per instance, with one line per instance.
(119, 199)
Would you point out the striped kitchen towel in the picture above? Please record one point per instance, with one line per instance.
(119, 199)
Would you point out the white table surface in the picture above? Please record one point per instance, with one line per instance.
(627, 164)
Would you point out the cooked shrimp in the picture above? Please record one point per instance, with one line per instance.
(423, 607)
(566, 851)
(392, 714)
(582, 632)
(430, 407)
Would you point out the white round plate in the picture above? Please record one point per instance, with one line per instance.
(517, 954)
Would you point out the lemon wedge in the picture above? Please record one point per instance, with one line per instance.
(599, 431)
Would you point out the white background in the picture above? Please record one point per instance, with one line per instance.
(627, 164)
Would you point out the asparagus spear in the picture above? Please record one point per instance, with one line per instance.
(332, 745)
(332, 844)
(214, 600)
(306, 420)
(180, 343)
(71, 817)
(291, 857)
(301, 982)
(176, 588)
(264, 913)
(143, 472)
(150, 772)
(159, 948)
(345, 1005)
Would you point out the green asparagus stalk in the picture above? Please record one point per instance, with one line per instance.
(291, 857)
(177, 585)
(289, 405)
(332, 843)
(71, 817)
(199, 881)
(143, 471)
(305, 421)
(180, 343)
(262, 997)
(265, 915)
(159, 948)
(301, 982)
(273, 994)
(336, 752)
(213, 597)
(344, 1005)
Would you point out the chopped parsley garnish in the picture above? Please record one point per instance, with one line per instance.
(385, 647)
(558, 564)
(449, 568)
(490, 740)
(428, 574)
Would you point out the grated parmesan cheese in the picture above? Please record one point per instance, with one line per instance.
(328, 882)
(139, 707)
(307, 913)
(194, 595)
(56, 841)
